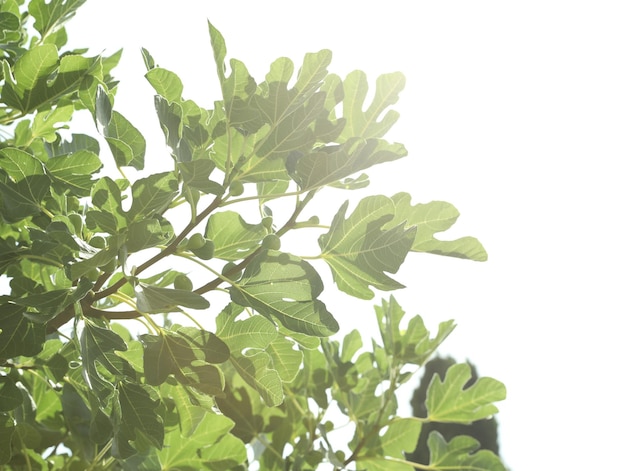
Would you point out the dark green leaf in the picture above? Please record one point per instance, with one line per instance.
(24, 198)
(10, 395)
(18, 335)
(98, 346)
(137, 425)
(282, 286)
(7, 428)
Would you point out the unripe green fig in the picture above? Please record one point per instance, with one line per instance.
(93, 274)
(98, 242)
(206, 251)
(183, 282)
(271, 242)
(196, 241)
(236, 188)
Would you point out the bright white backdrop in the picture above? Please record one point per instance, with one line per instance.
(515, 112)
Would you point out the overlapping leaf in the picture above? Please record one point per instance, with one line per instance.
(152, 195)
(400, 436)
(414, 345)
(332, 163)
(127, 144)
(152, 299)
(74, 171)
(361, 248)
(285, 287)
(49, 16)
(40, 77)
(254, 335)
(137, 425)
(450, 401)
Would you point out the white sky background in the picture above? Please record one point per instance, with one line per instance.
(515, 112)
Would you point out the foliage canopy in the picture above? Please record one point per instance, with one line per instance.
(85, 250)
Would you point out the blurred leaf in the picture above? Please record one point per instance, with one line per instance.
(7, 428)
(283, 286)
(49, 16)
(451, 401)
(401, 436)
(10, 395)
(360, 249)
(433, 217)
(460, 453)
(152, 299)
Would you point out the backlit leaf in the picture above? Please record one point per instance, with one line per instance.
(369, 123)
(153, 194)
(282, 286)
(332, 163)
(462, 452)
(360, 249)
(431, 218)
(450, 401)
(234, 238)
(49, 16)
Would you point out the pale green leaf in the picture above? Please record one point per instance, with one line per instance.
(451, 401)
(332, 163)
(152, 195)
(461, 453)
(49, 16)
(166, 83)
(369, 123)
(286, 360)
(282, 286)
(431, 218)
(361, 249)
(233, 237)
